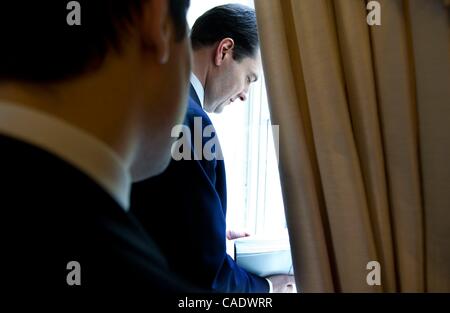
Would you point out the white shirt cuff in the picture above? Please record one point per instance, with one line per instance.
(270, 285)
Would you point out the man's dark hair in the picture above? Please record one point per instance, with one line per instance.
(38, 45)
(234, 21)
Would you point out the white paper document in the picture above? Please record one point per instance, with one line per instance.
(264, 256)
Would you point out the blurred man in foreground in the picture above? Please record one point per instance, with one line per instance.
(84, 111)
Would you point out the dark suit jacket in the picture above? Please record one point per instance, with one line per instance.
(51, 214)
(190, 225)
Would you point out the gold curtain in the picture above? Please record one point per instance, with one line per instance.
(364, 116)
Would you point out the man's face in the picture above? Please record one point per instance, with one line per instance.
(230, 82)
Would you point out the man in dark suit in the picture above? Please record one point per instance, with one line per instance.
(190, 230)
(84, 111)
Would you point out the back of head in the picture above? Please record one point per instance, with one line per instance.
(127, 63)
(228, 21)
(38, 45)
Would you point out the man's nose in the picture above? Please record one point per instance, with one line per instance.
(243, 96)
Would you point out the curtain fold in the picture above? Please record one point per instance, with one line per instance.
(359, 77)
(364, 134)
(301, 188)
(430, 35)
(395, 82)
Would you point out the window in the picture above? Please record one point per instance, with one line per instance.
(254, 200)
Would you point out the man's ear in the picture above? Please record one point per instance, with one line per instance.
(224, 49)
(156, 29)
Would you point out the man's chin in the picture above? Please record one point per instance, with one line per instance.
(220, 108)
(208, 109)
(153, 166)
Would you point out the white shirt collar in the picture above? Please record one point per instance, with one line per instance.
(85, 152)
(198, 87)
